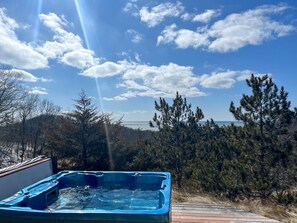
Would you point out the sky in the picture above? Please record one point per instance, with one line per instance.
(125, 54)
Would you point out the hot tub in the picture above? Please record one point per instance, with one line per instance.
(92, 196)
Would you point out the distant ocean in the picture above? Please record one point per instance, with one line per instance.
(144, 125)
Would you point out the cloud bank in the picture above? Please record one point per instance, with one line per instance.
(14, 52)
(143, 80)
(66, 46)
(237, 30)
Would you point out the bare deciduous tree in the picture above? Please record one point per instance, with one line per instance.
(10, 93)
(25, 109)
(45, 112)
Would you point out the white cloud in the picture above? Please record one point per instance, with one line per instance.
(186, 16)
(246, 74)
(206, 16)
(53, 22)
(182, 38)
(42, 79)
(80, 58)
(116, 98)
(37, 90)
(136, 37)
(237, 30)
(248, 28)
(15, 52)
(224, 78)
(66, 46)
(137, 57)
(143, 80)
(131, 84)
(157, 14)
(107, 69)
(131, 6)
(25, 76)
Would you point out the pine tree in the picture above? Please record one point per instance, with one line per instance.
(266, 114)
(177, 125)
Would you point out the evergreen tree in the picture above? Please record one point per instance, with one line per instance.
(177, 125)
(85, 117)
(84, 139)
(209, 158)
(266, 114)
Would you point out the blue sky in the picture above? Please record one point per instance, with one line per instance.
(127, 54)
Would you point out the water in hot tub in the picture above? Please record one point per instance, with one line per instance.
(88, 198)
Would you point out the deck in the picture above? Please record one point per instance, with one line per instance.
(204, 213)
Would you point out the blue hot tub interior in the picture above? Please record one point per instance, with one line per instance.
(142, 194)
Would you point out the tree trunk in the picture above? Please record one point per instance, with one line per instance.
(23, 139)
(179, 181)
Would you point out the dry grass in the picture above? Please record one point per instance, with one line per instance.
(264, 208)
